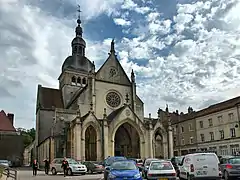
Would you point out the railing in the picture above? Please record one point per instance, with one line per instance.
(7, 173)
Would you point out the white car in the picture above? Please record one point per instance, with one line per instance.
(162, 170)
(200, 166)
(74, 167)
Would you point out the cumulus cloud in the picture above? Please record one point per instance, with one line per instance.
(190, 58)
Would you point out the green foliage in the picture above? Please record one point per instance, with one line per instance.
(28, 135)
(1, 171)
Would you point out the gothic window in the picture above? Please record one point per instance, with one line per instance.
(113, 99)
(75, 49)
(78, 81)
(112, 72)
(73, 80)
(80, 50)
(84, 81)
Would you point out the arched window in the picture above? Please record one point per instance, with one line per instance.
(73, 80)
(79, 81)
(80, 50)
(84, 81)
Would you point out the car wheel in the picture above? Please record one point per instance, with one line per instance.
(69, 172)
(54, 172)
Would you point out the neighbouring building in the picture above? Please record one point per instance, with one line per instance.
(95, 114)
(215, 129)
(28, 154)
(11, 142)
(218, 127)
(184, 132)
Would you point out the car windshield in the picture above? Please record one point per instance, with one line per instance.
(148, 162)
(3, 161)
(234, 161)
(123, 165)
(111, 160)
(164, 165)
(72, 161)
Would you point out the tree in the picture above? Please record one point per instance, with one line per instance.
(28, 135)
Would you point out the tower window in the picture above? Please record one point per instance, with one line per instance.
(75, 49)
(84, 81)
(73, 80)
(79, 81)
(80, 50)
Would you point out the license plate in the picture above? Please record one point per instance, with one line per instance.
(201, 172)
(163, 179)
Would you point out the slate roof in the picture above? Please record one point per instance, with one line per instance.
(5, 123)
(49, 98)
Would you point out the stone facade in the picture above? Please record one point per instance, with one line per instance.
(95, 114)
(215, 128)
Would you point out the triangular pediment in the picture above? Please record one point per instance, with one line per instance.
(112, 71)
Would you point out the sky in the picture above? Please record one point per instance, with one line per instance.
(183, 52)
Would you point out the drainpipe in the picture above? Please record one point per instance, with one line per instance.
(103, 139)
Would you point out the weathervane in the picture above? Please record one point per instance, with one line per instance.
(79, 11)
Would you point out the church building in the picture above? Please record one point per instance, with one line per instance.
(97, 113)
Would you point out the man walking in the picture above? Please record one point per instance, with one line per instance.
(65, 166)
(35, 167)
(46, 165)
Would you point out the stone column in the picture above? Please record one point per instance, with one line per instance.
(78, 144)
(107, 147)
(170, 142)
(150, 147)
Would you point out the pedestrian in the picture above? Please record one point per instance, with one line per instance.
(35, 167)
(46, 165)
(65, 166)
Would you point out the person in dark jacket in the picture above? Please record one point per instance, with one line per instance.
(65, 166)
(35, 167)
(46, 165)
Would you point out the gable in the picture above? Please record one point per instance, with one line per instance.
(113, 72)
(5, 123)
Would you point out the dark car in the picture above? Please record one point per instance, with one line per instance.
(108, 162)
(230, 167)
(145, 166)
(93, 166)
(175, 162)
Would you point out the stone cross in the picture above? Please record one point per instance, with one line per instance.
(127, 98)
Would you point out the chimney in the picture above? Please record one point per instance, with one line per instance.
(11, 117)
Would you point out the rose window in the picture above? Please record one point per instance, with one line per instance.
(113, 99)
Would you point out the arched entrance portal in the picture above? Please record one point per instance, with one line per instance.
(127, 141)
(91, 144)
(158, 144)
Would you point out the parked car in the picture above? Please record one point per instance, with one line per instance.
(74, 167)
(125, 169)
(230, 167)
(146, 165)
(4, 162)
(109, 161)
(93, 167)
(161, 169)
(200, 166)
(139, 162)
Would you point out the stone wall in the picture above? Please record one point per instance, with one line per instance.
(12, 148)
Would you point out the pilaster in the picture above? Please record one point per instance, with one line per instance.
(170, 142)
(78, 143)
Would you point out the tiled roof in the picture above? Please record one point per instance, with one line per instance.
(49, 98)
(5, 123)
(219, 106)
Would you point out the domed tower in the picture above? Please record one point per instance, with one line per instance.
(75, 68)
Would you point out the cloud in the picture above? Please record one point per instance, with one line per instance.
(186, 54)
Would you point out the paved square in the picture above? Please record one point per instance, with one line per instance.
(27, 175)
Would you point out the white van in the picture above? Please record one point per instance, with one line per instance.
(200, 166)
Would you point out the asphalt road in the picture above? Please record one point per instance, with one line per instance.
(27, 175)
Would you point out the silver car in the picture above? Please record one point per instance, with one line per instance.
(74, 167)
(4, 162)
(162, 170)
(230, 167)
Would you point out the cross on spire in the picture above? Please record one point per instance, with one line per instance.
(79, 12)
(127, 98)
